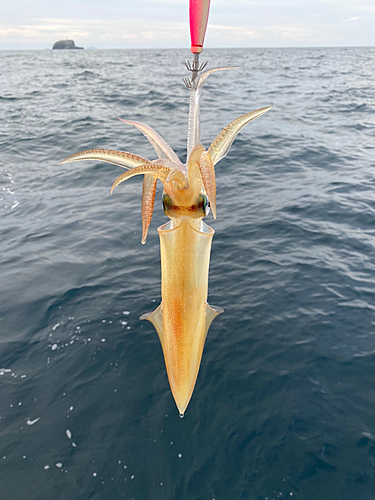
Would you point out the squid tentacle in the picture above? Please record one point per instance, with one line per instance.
(194, 133)
(220, 146)
(120, 158)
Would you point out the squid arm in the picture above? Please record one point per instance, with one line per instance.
(148, 202)
(162, 148)
(221, 145)
(160, 171)
(128, 161)
(164, 151)
(120, 158)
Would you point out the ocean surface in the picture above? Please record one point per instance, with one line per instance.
(284, 405)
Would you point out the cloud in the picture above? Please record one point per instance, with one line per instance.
(295, 33)
(139, 32)
(351, 19)
(133, 30)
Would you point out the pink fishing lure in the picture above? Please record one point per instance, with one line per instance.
(198, 13)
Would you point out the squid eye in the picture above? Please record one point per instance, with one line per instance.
(203, 204)
(208, 208)
(167, 202)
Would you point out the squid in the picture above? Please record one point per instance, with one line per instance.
(183, 317)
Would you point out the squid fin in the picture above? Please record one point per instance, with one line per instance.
(221, 145)
(156, 318)
(121, 158)
(211, 313)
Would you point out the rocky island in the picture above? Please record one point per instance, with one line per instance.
(66, 45)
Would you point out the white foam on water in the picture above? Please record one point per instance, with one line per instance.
(368, 435)
(32, 422)
(56, 326)
(305, 341)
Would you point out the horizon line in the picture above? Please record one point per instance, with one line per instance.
(206, 48)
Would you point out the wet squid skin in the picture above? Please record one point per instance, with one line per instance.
(183, 317)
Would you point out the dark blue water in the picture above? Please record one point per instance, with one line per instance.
(284, 402)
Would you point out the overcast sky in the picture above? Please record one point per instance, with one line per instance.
(37, 24)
